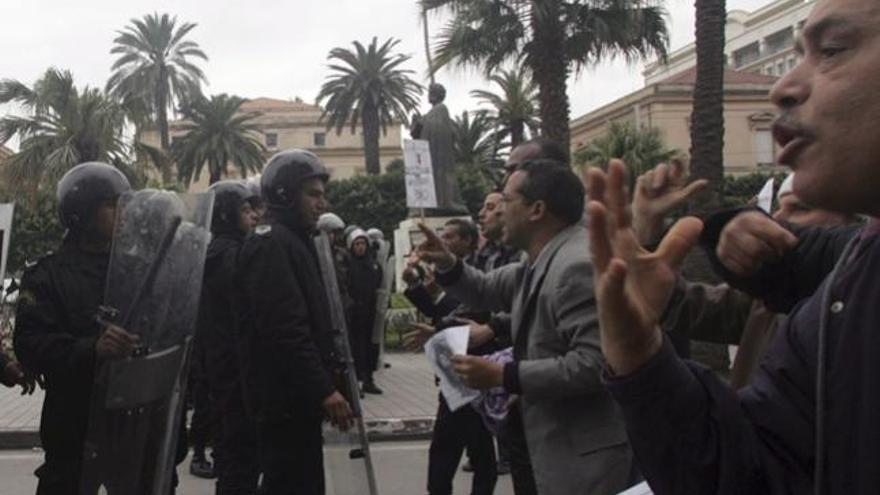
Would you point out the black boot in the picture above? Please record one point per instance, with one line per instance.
(371, 388)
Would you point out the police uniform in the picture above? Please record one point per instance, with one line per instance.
(235, 451)
(288, 357)
(55, 336)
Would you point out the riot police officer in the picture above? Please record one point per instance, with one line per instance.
(235, 448)
(289, 360)
(56, 331)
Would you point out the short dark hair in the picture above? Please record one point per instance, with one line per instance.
(550, 150)
(466, 229)
(554, 183)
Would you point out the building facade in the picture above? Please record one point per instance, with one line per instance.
(760, 42)
(296, 124)
(667, 106)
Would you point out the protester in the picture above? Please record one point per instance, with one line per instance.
(462, 237)
(719, 313)
(364, 279)
(806, 422)
(494, 254)
(217, 335)
(463, 429)
(289, 358)
(56, 332)
(575, 436)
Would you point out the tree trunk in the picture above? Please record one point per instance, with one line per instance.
(707, 119)
(550, 71)
(371, 139)
(162, 117)
(427, 34)
(707, 145)
(517, 130)
(215, 171)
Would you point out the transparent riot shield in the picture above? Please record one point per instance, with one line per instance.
(347, 460)
(383, 299)
(153, 285)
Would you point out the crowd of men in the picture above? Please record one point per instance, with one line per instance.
(571, 291)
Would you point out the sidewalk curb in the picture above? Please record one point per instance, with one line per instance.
(19, 439)
(378, 430)
(400, 429)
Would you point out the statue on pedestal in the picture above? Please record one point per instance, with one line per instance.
(436, 127)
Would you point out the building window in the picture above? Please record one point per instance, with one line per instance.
(271, 140)
(746, 55)
(763, 147)
(320, 139)
(779, 41)
(792, 62)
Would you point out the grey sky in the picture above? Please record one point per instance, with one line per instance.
(271, 48)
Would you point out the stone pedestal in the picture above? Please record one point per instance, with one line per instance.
(407, 237)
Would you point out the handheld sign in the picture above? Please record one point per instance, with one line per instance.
(420, 190)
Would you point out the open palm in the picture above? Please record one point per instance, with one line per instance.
(633, 285)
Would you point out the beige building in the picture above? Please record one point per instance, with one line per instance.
(761, 41)
(295, 124)
(667, 105)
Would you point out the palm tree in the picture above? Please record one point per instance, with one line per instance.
(63, 127)
(707, 119)
(641, 149)
(155, 64)
(554, 37)
(515, 108)
(473, 140)
(218, 134)
(368, 85)
(475, 146)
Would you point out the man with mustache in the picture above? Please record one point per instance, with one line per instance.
(806, 424)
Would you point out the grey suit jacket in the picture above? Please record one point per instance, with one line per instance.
(576, 436)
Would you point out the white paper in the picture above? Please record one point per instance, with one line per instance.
(765, 197)
(5, 235)
(640, 489)
(420, 190)
(440, 349)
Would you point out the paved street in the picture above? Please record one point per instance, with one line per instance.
(400, 468)
(407, 406)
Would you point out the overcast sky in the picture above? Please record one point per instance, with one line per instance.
(272, 48)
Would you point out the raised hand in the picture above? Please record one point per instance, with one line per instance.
(418, 335)
(658, 192)
(434, 250)
(750, 240)
(633, 285)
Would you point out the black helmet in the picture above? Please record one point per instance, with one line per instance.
(83, 188)
(285, 173)
(228, 198)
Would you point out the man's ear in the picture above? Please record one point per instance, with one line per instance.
(537, 211)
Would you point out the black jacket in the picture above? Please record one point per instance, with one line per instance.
(794, 277)
(217, 334)
(364, 279)
(55, 335)
(288, 357)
